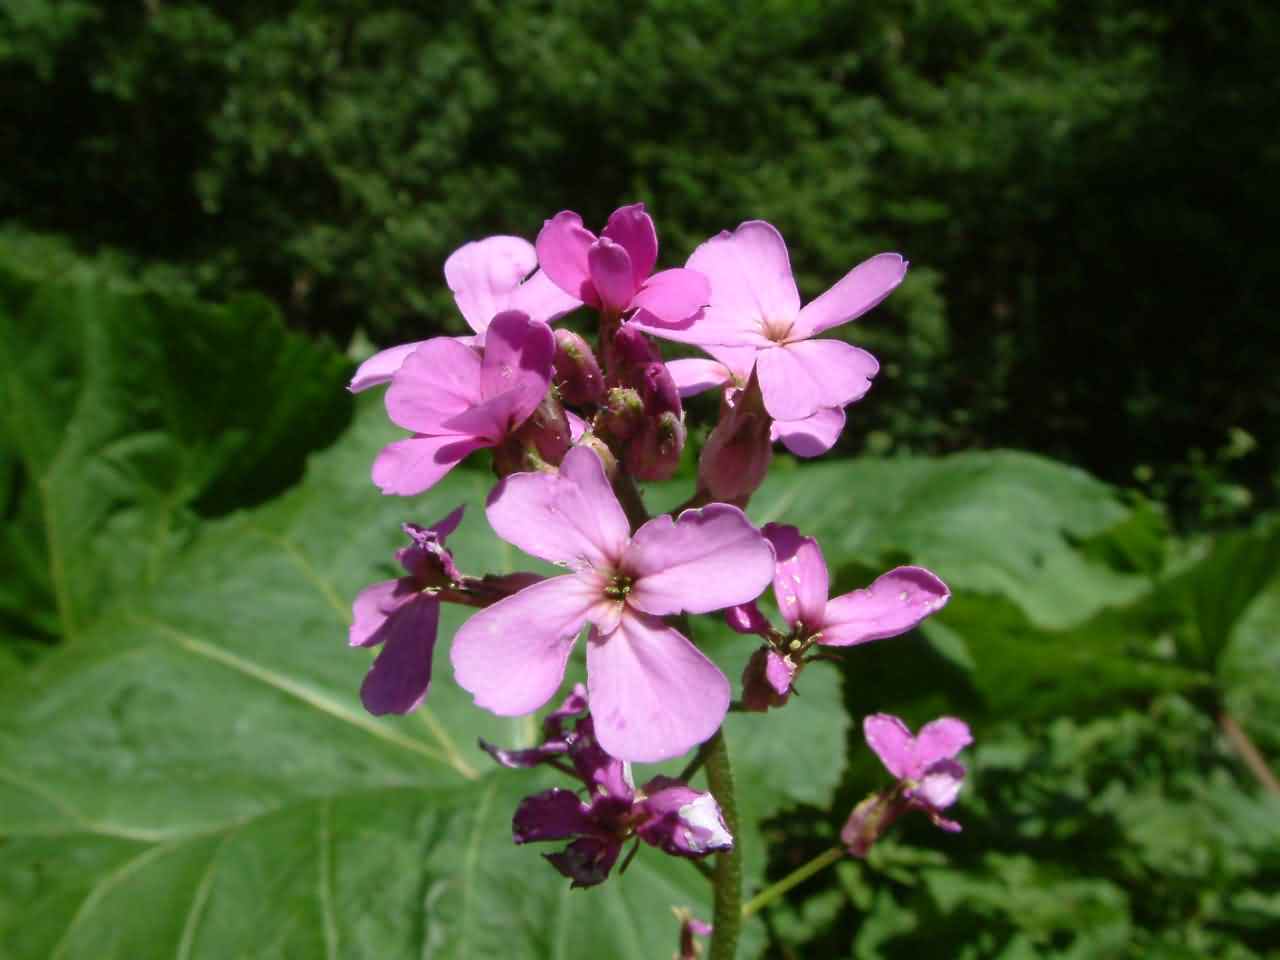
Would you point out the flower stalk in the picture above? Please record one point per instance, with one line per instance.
(727, 915)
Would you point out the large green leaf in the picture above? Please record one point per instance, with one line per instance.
(125, 415)
(1003, 523)
(201, 751)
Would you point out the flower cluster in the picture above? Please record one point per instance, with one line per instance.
(573, 423)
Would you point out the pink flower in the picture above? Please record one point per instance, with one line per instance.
(665, 813)
(811, 436)
(614, 272)
(402, 615)
(487, 277)
(896, 602)
(754, 303)
(924, 765)
(654, 694)
(457, 400)
(929, 778)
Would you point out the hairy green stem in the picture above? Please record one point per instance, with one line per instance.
(727, 916)
(797, 876)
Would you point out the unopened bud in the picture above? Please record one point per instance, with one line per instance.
(622, 415)
(603, 452)
(766, 681)
(653, 453)
(539, 444)
(736, 456)
(577, 374)
(633, 348)
(870, 819)
(658, 390)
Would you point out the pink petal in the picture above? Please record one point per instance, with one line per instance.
(541, 299)
(398, 680)
(633, 229)
(671, 298)
(800, 378)
(895, 603)
(693, 376)
(750, 273)
(381, 367)
(653, 694)
(940, 784)
(435, 383)
(577, 426)
(572, 518)
(813, 436)
(511, 656)
(891, 740)
(408, 467)
(941, 740)
(611, 274)
(800, 577)
(562, 247)
(747, 618)
(857, 292)
(371, 608)
(704, 560)
(484, 274)
(519, 354)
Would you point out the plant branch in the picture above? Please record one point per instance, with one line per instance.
(792, 879)
(1249, 753)
(727, 916)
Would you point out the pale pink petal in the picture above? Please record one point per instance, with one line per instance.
(896, 602)
(738, 360)
(857, 292)
(577, 426)
(704, 560)
(939, 785)
(398, 680)
(511, 656)
(891, 740)
(671, 298)
(373, 605)
(436, 382)
(750, 273)
(631, 227)
(800, 576)
(611, 274)
(381, 367)
(941, 739)
(747, 618)
(710, 326)
(484, 274)
(541, 299)
(408, 467)
(813, 436)
(790, 392)
(693, 375)
(800, 378)
(572, 518)
(653, 693)
(562, 247)
(519, 354)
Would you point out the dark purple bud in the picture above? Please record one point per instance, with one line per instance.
(622, 415)
(587, 861)
(633, 348)
(653, 453)
(870, 819)
(682, 821)
(658, 390)
(577, 375)
(767, 679)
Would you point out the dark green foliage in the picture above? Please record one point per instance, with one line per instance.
(1085, 189)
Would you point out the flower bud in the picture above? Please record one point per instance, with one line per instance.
(766, 681)
(577, 374)
(658, 390)
(622, 416)
(736, 456)
(539, 444)
(633, 348)
(870, 819)
(654, 452)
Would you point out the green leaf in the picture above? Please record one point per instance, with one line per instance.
(126, 415)
(1000, 523)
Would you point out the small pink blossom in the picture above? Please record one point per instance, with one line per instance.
(402, 616)
(754, 303)
(487, 277)
(653, 692)
(929, 778)
(614, 272)
(459, 399)
(896, 602)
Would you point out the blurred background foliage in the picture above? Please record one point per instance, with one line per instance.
(207, 207)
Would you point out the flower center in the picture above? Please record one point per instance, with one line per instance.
(775, 329)
(618, 587)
